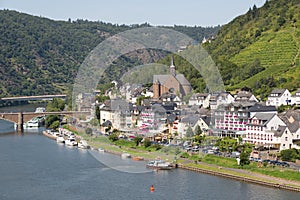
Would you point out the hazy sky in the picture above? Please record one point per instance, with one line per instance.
(155, 12)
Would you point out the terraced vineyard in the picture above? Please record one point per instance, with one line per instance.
(276, 52)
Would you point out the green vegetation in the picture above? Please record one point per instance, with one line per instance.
(42, 56)
(260, 49)
(290, 155)
(53, 121)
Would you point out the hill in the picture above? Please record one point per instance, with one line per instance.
(260, 49)
(41, 56)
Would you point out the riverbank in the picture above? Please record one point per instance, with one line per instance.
(187, 164)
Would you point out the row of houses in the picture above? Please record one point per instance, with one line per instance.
(276, 98)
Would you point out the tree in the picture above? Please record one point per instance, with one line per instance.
(113, 137)
(147, 143)
(244, 160)
(189, 132)
(97, 113)
(137, 140)
(88, 131)
(54, 125)
(198, 130)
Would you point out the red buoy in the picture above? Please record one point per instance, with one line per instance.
(152, 188)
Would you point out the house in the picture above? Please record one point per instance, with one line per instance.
(296, 98)
(262, 130)
(200, 99)
(173, 83)
(219, 98)
(231, 119)
(245, 96)
(279, 97)
(292, 135)
(284, 138)
(118, 112)
(193, 121)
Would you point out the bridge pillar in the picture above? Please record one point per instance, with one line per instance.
(20, 122)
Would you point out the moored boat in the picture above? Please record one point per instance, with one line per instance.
(60, 139)
(71, 142)
(159, 165)
(137, 158)
(50, 134)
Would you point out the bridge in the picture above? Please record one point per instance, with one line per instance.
(20, 118)
(34, 98)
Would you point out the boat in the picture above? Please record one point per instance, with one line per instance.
(125, 155)
(101, 150)
(50, 134)
(40, 110)
(35, 122)
(82, 144)
(71, 142)
(137, 158)
(60, 139)
(159, 165)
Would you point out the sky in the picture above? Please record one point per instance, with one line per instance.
(156, 12)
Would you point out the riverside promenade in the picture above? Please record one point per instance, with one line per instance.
(200, 167)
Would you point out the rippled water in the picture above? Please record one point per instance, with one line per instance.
(35, 167)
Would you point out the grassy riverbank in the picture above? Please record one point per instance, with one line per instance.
(211, 163)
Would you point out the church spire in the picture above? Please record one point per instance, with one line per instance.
(172, 67)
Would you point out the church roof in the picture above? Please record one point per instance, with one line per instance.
(161, 78)
(182, 80)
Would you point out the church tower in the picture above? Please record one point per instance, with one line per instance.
(172, 67)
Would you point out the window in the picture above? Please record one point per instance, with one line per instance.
(286, 138)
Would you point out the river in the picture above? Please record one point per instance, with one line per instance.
(35, 167)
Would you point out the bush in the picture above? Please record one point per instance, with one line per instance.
(147, 143)
(88, 131)
(185, 155)
(113, 137)
(54, 125)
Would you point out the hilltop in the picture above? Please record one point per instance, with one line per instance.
(260, 49)
(41, 56)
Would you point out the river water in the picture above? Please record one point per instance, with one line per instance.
(35, 167)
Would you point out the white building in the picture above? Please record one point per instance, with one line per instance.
(193, 121)
(200, 99)
(296, 98)
(245, 96)
(279, 97)
(217, 99)
(262, 129)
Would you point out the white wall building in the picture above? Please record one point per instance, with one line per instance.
(261, 130)
(200, 99)
(279, 97)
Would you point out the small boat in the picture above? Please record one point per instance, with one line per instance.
(159, 165)
(60, 139)
(40, 110)
(83, 145)
(50, 134)
(71, 142)
(125, 155)
(137, 158)
(101, 150)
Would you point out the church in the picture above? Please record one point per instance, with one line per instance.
(171, 83)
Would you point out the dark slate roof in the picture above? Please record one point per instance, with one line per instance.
(266, 117)
(190, 119)
(280, 131)
(262, 108)
(278, 91)
(292, 119)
